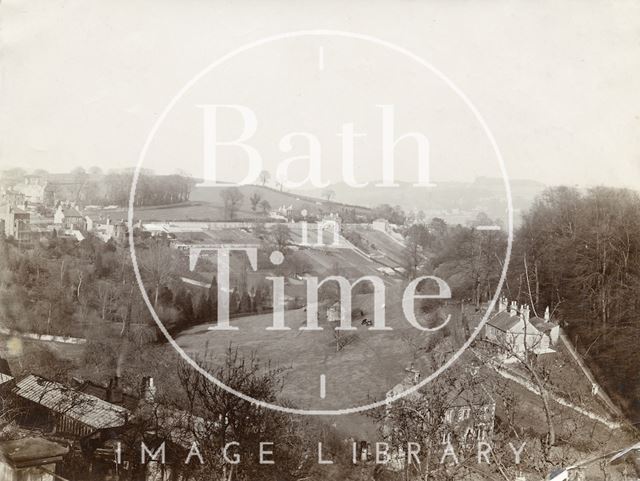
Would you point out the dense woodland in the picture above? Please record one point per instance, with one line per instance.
(94, 187)
(577, 252)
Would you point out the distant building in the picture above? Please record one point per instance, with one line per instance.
(334, 312)
(48, 189)
(13, 197)
(105, 229)
(69, 218)
(33, 188)
(381, 225)
(15, 222)
(468, 410)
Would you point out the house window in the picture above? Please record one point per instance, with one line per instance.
(468, 434)
(446, 438)
(464, 413)
(448, 416)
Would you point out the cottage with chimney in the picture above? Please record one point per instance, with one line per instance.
(69, 218)
(513, 330)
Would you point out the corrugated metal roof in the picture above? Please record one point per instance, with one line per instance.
(81, 407)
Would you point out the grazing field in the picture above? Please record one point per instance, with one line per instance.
(206, 204)
(188, 211)
(362, 371)
(274, 197)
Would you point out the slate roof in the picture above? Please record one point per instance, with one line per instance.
(94, 389)
(84, 408)
(71, 212)
(503, 321)
(542, 325)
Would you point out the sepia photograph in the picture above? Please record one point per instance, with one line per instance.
(319, 240)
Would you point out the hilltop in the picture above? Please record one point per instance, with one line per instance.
(276, 198)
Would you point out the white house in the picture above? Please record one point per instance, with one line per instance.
(381, 225)
(512, 329)
(32, 188)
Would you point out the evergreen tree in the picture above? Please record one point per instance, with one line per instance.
(184, 303)
(257, 300)
(234, 301)
(98, 265)
(245, 302)
(212, 301)
(202, 309)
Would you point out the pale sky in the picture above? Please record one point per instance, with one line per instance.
(82, 82)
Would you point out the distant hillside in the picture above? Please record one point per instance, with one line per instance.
(276, 199)
(453, 201)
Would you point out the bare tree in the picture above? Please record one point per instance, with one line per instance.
(281, 237)
(264, 177)
(265, 205)
(255, 200)
(526, 359)
(107, 296)
(328, 194)
(447, 411)
(232, 199)
(159, 263)
(343, 339)
(217, 418)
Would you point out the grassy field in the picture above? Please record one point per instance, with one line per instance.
(188, 211)
(206, 204)
(274, 197)
(361, 372)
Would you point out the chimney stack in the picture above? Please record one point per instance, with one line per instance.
(148, 390)
(502, 304)
(114, 391)
(514, 309)
(547, 316)
(524, 313)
